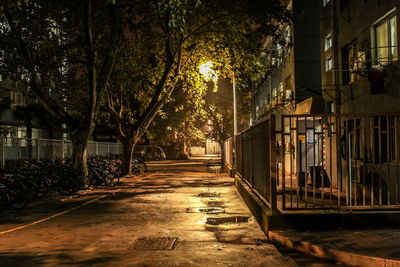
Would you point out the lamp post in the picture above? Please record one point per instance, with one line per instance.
(208, 73)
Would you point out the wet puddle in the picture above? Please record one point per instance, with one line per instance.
(209, 194)
(223, 220)
(208, 210)
(215, 203)
(211, 210)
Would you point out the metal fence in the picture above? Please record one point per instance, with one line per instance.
(349, 161)
(43, 149)
(335, 162)
(255, 157)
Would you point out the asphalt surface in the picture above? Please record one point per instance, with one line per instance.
(174, 207)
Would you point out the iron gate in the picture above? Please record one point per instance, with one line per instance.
(349, 161)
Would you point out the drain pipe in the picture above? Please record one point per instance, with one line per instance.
(349, 160)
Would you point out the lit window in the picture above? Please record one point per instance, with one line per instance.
(281, 89)
(328, 41)
(328, 64)
(385, 33)
(325, 2)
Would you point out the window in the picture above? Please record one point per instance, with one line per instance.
(281, 90)
(286, 38)
(385, 35)
(331, 107)
(328, 41)
(328, 64)
(325, 2)
(287, 88)
(286, 34)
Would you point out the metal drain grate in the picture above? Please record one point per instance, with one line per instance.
(154, 243)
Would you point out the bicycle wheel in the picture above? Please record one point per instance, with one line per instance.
(43, 186)
(136, 171)
(66, 187)
(111, 179)
(17, 198)
(31, 188)
(94, 177)
(4, 200)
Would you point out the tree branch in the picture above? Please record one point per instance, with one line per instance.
(50, 103)
(91, 67)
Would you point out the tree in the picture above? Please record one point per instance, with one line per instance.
(65, 52)
(168, 44)
(179, 122)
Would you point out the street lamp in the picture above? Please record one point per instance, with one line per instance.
(208, 73)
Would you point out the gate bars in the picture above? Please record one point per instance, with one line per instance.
(328, 161)
(349, 161)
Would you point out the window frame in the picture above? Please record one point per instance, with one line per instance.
(374, 39)
(326, 64)
(329, 35)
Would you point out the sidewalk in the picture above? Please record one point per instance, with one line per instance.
(380, 247)
(347, 245)
(179, 214)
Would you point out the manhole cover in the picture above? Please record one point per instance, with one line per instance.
(154, 243)
(221, 220)
(209, 194)
(212, 210)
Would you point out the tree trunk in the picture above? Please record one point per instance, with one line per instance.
(128, 144)
(79, 164)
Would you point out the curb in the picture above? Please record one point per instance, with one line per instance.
(348, 258)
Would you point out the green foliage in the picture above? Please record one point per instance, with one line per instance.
(43, 44)
(65, 51)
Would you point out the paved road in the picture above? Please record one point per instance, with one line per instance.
(101, 227)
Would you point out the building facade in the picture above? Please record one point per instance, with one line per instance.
(335, 94)
(359, 58)
(292, 67)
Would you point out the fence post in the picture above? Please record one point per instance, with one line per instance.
(38, 149)
(272, 164)
(108, 150)
(349, 156)
(63, 150)
(3, 160)
(97, 148)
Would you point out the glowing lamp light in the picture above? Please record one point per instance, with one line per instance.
(206, 69)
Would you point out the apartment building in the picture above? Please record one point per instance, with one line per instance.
(335, 92)
(360, 75)
(292, 67)
(360, 68)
